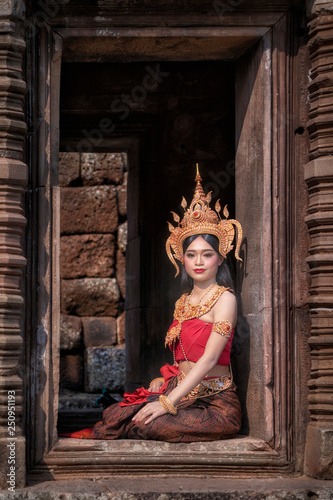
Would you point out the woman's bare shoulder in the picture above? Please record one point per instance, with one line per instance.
(226, 307)
(228, 294)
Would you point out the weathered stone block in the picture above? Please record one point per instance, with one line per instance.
(89, 255)
(319, 450)
(71, 371)
(90, 297)
(99, 332)
(122, 196)
(121, 272)
(89, 210)
(122, 237)
(101, 168)
(104, 367)
(121, 328)
(70, 332)
(69, 168)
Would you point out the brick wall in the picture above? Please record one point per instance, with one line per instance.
(93, 247)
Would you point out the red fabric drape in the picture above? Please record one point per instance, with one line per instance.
(195, 334)
(140, 395)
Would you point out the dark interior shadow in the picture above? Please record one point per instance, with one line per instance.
(240, 354)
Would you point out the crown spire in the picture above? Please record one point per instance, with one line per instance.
(198, 188)
(197, 177)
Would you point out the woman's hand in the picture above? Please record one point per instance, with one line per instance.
(155, 386)
(149, 412)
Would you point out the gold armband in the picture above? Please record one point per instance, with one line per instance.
(167, 405)
(224, 328)
(160, 379)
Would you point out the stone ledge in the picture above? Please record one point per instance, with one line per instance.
(178, 488)
(237, 446)
(102, 459)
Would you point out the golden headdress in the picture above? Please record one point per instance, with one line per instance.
(199, 218)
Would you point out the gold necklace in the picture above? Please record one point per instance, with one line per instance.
(202, 296)
(184, 312)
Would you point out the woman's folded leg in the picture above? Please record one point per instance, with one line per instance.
(208, 419)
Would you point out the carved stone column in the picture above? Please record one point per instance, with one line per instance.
(13, 177)
(319, 177)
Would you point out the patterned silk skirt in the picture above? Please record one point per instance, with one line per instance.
(207, 418)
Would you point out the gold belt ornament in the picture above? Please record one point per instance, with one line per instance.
(207, 387)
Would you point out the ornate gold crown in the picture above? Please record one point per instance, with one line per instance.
(199, 218)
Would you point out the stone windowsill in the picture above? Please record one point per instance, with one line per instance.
(100, 458)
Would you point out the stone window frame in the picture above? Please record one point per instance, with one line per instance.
(263, 148)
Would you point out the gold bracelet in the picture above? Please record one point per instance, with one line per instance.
(167, 405)
(160, 379)
(224, 328)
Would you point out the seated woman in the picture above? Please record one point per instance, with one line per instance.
(195, 399)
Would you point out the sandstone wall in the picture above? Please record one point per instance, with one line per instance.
(93, 248)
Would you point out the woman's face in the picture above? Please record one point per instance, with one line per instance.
(201, 261)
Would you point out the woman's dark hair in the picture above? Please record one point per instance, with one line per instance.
(223, 276)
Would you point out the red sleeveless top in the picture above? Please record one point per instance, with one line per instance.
(194, 335)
